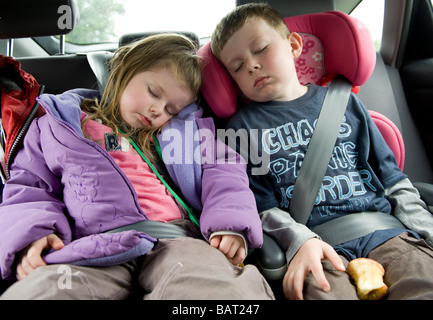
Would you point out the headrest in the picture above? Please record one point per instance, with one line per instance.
(131, 37)
(30, 18)
(289, 8)
(333, 43)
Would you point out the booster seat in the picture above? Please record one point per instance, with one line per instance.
(333, 43)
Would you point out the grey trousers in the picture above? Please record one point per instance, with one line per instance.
(182, 268)
(408, 264)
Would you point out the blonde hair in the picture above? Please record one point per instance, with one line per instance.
(172, 51)
(238, 17)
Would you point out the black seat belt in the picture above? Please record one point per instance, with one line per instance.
(319, 151)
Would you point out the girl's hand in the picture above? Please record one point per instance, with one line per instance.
(31, 257)
(309, 259)
(231, 245)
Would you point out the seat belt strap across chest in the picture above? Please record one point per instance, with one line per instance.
(320, 149)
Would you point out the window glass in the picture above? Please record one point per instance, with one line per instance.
(371, 12)
(107, 20)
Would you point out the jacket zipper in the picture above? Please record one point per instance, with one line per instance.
(23, 129)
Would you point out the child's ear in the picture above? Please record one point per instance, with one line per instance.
(295, 42)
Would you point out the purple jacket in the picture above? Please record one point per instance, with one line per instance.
(66, 184)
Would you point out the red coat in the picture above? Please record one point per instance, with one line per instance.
(19, 90)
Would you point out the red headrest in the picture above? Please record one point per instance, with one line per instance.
(333, 42)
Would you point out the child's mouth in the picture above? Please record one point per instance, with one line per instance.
(145, 120)
(260, 81)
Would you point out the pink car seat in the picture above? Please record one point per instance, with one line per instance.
(333, 43)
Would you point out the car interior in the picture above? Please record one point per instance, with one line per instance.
(393, 81)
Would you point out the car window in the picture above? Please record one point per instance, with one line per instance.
(105, 21)
(371, 12)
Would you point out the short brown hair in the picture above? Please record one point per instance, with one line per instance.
(239, 16)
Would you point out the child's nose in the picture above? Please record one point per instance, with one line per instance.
(253, 66)
(156, 109)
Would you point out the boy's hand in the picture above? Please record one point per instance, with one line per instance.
(308, 259)
(30, 258)
(231, 245)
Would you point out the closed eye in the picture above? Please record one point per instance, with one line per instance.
(171, 111)
(239, 67)
(152, 93)
(261, 50)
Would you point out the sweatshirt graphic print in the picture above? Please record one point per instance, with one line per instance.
(361, 166)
